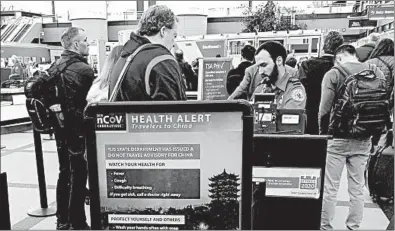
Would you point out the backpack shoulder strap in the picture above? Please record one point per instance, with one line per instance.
(124, 69)
(151, 65)
(343, 71)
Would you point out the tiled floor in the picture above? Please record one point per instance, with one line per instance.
(18, 160)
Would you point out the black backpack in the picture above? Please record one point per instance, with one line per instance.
(41, 93)
(361, 106)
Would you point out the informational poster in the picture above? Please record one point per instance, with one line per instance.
(213, 76)
(289, 182)
(169, 170)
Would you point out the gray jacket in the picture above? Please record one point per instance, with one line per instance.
(390, 61)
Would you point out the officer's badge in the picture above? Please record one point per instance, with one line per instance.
(298, 95)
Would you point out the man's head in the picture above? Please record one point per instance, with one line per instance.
(332, 41)
(179, 55)
(345, 53)
(75, 39)
(159, 25)
(269, 57)
(248, 53)
(374, 38)
(291, 62)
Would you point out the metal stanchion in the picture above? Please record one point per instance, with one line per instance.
(44, 211)
(5, 220)
(258, 197)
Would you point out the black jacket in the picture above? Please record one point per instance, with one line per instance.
(165, 79)
(189, 75)
(235, 76)
(78, 78)
(363, 52)
(311, 74)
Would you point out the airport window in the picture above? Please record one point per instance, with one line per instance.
(314, 45)
(236, 46)
(300, 48)
(262, 41)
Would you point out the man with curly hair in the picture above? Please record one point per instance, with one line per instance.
(153, 73)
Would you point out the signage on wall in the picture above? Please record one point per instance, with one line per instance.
(362, 23)
(381, 12)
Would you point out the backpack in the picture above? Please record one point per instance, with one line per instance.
(126, 66)
(41, 93)
(361, 106)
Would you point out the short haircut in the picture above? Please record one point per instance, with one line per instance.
(291, 62)
(374, 37)
(154, 18)
(275, 49)
(69, 35)
(248, 52)
(333, 40)
(350, 49)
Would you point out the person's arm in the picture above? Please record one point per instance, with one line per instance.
(87, 77)
(166, 82)
(328, 91)
(302, 76)
(295, 98)
(243, 87)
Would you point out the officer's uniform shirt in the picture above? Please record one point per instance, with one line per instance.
(290, 93)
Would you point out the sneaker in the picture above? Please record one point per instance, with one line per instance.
(84, 227)
(62, 226)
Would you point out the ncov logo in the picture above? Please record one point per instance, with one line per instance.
(308, 182)
(111, 121)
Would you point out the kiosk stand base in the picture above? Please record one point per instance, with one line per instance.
(47, 212)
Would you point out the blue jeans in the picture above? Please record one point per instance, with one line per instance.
(354, 154)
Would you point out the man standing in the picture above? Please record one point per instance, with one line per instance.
(235, 76)
(311, 73)
(345, 149)
(270, 74)
(188, 75)
(74, 85)
(363, 52)
(154, 73)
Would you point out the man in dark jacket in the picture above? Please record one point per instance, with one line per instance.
(154, 73)
(311, 73)
(188, 75)
(363, 52)
(235, 76)
(70, 141)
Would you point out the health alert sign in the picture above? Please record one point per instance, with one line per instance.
(289, 182)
